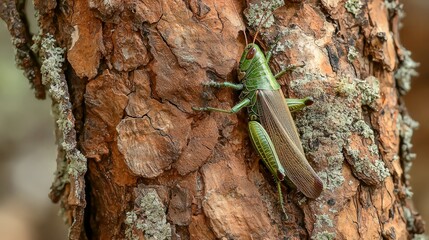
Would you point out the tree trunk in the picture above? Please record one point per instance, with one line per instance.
(135, 161)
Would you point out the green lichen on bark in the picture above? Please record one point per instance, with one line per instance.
(362, 165)
(148, 217)
(334, 121)
(323, 220)
(406, 71)
(325, 235)
(420, 237)
(352, 54)
(261, 13)
(334, 175)
(396, 7)
(354, 6)
(70, 161)
(406, 126)
(282, 43)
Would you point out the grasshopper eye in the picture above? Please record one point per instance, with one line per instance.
(250, 53)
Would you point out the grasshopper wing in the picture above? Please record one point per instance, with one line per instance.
(277, 121)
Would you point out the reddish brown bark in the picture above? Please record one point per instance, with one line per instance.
(156, 168)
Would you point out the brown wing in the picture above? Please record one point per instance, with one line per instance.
(277, 121)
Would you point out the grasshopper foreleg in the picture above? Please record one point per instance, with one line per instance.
(236, 86)
(265, 148)
(244, 103)
(287, 69)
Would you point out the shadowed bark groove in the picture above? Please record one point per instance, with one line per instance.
(158, 170)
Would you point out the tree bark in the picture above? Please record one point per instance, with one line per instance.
(136, 162)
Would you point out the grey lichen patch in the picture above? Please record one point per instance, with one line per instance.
(405, 72)
(326, 128)
(333, 174)
(325, 235)
(258, 13)
(352, 54)
(368, 89)
(332, 179)
(408, 192)
(282, 46)
(333, 210)
(406, 126)
(354, 7)
(64, 125)
(420, 237)
(70, 161)
(282, 42)
(393, 5)
(409, 217)
(364, 129)
(52, 60)
(323, 220)
(380, 168)
(369, 168)
(148, 217)
(302, 200)
(373, 149)
(37, 39)
(346, 87)
(77, 165)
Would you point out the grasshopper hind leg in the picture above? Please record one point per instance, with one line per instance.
(265, 148)
(244, 103)
(295, 104)
(282, 204)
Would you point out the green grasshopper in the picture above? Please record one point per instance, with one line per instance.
(271, 127)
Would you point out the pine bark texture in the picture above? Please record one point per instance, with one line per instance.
(129, 72)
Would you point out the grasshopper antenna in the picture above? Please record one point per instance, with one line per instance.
(241, 22)
(262, 22)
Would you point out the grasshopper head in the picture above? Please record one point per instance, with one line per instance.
(251, 51)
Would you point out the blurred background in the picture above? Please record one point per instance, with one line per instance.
(415, 37)
(28, 152)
